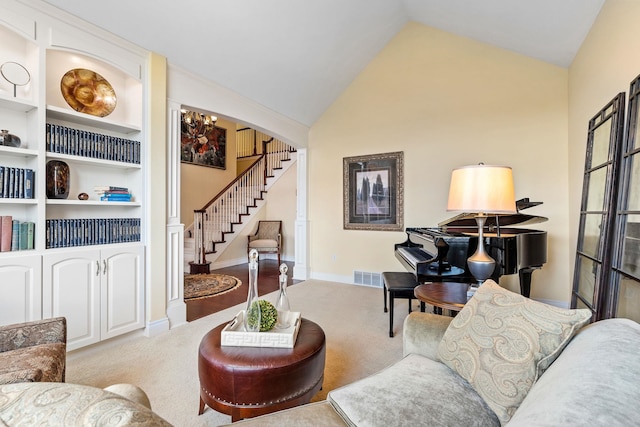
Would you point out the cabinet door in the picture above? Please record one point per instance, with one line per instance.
(122, 290)
(20, 289)
(71, 288)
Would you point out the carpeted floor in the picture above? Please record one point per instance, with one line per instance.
(165, 366)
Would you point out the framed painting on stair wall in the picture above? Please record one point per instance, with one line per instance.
(202, 143)
(373, 192)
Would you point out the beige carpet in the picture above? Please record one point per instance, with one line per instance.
(165, 366)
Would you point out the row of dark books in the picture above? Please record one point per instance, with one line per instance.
(15, 235)
(64, 233)
(16, 183)
(76, 142)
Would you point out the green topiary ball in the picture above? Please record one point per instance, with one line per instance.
(268, 315)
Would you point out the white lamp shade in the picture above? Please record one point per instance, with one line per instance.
(482, 189)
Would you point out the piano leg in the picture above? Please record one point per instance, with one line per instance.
(384, 291)
(525, 280)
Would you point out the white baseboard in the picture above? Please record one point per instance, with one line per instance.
(331, 277)
(157, 327)
(243, 260)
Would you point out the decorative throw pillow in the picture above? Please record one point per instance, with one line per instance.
(501, 342)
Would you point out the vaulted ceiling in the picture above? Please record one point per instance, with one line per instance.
(296, 56)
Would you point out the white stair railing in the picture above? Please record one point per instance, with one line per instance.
(219, 216)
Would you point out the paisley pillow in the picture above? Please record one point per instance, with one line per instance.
(501, 342)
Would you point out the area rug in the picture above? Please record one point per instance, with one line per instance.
(198, 286)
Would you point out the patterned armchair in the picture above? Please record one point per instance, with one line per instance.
(267, 239)
(33, 351)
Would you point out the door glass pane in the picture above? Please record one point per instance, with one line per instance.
(636, 140)
(580, 304)
(591, 236)
(629, 299)
(588, 270)
(595, 197)
(631, 246)
(601, 136)
(634, 188)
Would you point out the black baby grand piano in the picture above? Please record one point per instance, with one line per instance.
(438, 254)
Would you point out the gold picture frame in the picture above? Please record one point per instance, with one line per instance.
(373, 192)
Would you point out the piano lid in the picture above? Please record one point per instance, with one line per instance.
(500, 220)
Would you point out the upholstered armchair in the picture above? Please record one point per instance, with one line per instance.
(33, 351)
(267, 239)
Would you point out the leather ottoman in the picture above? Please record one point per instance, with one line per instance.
(249, 381)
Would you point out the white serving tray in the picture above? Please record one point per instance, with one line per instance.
(234, 334)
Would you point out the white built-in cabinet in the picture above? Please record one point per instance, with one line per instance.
(99, 286)
(100, 292)
(20, 288)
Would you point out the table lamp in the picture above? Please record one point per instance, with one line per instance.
(482, 190)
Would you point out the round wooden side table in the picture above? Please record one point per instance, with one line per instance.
(443, 295)
(246, 382)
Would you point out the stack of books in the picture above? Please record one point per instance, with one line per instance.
(113, 194)
(15, 235)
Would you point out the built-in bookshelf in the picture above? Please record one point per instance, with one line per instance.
(67, 249)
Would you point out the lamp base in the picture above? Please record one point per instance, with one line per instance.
(481, 265)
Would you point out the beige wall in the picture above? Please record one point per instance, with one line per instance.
(199, 184)
(445, 101)
(157, 213)
(605, 65)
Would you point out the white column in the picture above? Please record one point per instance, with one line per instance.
(301, 267)
(176, 307)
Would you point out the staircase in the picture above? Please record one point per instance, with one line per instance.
(220, 221)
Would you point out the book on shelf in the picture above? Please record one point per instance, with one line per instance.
(111, 197)
(15, 235)
(110, 188)
(16, 183)
(22, 239)
(29, 183)
(31, 226)
(6, 224)
(109, 193)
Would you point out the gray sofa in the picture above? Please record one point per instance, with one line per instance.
(588, 377)
(63, 405)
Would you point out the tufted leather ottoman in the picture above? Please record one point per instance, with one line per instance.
(248, 381)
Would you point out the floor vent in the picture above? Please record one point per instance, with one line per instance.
(367, 278)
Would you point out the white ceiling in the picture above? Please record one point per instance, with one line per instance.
(296, 56)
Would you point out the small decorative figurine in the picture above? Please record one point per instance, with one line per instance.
(252, 313)
(282, 305)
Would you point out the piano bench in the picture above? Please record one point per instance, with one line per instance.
(398, 285)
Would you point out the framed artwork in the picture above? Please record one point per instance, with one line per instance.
(373, 192)
(202, 142)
